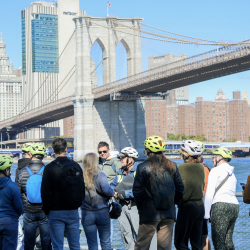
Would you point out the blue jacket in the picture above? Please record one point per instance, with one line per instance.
(104, 192)
(10, 199)
(128, 193)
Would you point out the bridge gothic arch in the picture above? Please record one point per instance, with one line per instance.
(108, 32)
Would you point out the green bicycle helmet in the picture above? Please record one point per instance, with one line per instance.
(202, 146)
(224, 152)
(37, 149)
(26, 147)
(154, 143)
(5, 162)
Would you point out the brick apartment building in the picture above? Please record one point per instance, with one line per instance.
(68, 126)
(217, 120)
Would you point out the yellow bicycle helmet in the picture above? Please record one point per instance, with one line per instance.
(37, 149)
(5, 162)
(26, 147)
(154, 143)
(224, 152)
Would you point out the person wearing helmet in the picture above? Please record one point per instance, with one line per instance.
(205, 239)
(157, 187)
(122, 184)
(11, 206)
(191, 207)
(34, 215)
(220, 199)
(24, 161)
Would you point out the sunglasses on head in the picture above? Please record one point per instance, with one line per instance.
(104, 151)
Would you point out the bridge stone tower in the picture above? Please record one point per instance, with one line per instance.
(120, 123)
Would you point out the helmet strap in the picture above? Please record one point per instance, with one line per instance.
(4, 172)
(218, 161)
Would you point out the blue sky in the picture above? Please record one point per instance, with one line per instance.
(213, 20)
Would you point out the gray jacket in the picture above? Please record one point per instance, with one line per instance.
(34, 166)
(110, 168)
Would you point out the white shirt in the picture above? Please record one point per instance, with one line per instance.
(227, 191)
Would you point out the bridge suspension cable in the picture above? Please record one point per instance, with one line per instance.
(170, 41)
(200, 39)
(59, 86)
(182, 40)
(45, 79)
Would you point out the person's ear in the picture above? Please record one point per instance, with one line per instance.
(53, 150)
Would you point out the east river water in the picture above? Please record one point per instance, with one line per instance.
(242, 228)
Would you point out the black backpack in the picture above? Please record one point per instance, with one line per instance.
(163, 190)
(72, 184)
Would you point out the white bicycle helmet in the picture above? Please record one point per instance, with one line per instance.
(193, 148)
(130, 152)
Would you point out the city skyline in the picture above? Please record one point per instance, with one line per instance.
(233, 29)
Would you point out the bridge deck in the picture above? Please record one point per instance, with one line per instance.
(213, 64)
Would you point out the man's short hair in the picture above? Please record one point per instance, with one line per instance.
(103, 144)
(59, 145)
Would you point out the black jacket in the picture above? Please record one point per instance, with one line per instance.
(51, 186)
(21, 164)
(35, 167)
(144, 202)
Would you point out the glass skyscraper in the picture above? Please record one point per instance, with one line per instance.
(44, 36)
(44, 29)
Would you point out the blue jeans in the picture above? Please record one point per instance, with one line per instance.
(93, 221)
(8, 233)
(67, 220)
(30, 223)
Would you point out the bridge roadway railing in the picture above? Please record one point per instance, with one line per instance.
(191, 63)
(32, 114)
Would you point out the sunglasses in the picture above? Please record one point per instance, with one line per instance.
(121, 157)
(105, 151)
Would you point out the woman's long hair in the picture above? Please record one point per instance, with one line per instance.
(187, 158)
(160, 163)
(90, 169)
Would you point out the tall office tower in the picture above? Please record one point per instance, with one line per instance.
(10, 86)
(178, 96)
(47, 34)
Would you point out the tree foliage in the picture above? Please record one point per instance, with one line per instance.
(181, 137)
(230, 140)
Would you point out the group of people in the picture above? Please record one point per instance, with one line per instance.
(142, 196)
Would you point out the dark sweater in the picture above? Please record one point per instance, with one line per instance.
(104, 192)
(193, 177)
(51, 186)
(10, 199)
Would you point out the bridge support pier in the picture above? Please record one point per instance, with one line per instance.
(119, 123)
